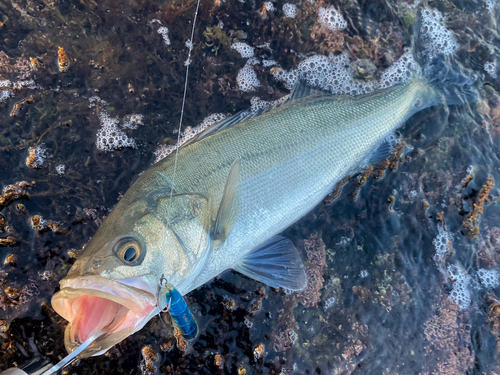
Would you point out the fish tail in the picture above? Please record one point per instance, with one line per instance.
(452, 72)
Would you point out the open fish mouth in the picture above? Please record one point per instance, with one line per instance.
(92, 304)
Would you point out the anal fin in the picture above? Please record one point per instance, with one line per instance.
(276, 263)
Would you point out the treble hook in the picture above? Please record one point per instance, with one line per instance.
(163, 282)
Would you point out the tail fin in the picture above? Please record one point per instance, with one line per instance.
(453, 82)
(447, 69)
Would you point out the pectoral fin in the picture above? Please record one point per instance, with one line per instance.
(225, 214)
(276, 263)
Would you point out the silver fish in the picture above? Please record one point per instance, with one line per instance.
(237, 186)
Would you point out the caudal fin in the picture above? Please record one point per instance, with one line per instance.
(449, 70)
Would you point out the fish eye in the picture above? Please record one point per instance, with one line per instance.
(130, 254)
(129, 251)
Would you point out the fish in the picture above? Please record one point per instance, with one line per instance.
(222, 201)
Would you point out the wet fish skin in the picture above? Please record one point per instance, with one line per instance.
(290, 158)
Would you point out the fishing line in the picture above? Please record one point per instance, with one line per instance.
(188, 63)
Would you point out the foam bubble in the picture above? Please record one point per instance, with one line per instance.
(243, 49)
(132, 121)
(331, 18)
(290, 10)
(247, 79)
(488, 279)
(109, 137)
(189, 132)
(401, 71)
(443, 246)
(435, 37)
(60, 169)
(257, 104)
(269, 6)
(460, 294)
(491, 68)
(163, 31)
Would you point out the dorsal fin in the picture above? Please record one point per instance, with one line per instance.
(241, 116)
(300, 90)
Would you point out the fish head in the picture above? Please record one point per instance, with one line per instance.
(114, 283)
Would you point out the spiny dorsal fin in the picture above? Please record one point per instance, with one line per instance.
(230, 121)
(300, 90)
(224, 219)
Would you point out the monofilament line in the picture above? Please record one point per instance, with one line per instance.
(188, 63)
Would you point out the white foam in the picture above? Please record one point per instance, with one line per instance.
(269, 6)
(60, 169)
(247, 79)
(290, 10)
(435, 37)
(491, 68)
(109, 137)
(163, 31)
(243, 49)
(133, 121)
(489, 279)
(460, 294)
(189, 132)
(331, 18)
(400, 71)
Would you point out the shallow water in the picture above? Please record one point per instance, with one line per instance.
(380, 298)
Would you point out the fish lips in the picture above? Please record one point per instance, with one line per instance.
(93, 303)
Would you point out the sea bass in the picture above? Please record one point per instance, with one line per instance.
(236, 187)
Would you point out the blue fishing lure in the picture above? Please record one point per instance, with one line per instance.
(180, 313)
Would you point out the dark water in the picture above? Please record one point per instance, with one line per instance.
(379, 297)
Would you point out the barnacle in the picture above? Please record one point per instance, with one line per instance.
(11, 260)
(62, 59)
(471, 221)
(258, 351)
(9, 241)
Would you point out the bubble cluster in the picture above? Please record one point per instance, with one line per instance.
(287, 77)
(258, 105)
(163, 31)
(7, 87)
(290, 10)
(331, 18)
(329, 303)
(269, 6)
(435, 37)
(491, 68)
(488, 279)
(401, 71)
(163, 151)
(60, 169)
(333, 74)
(442, 244)
(460, 294)
(36, 156)
(247, 79)
(268, 63)
(243, 49)
(109, 137)
(490, 5)
(132, 121)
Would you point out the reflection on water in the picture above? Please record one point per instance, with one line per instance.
(402, 267)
